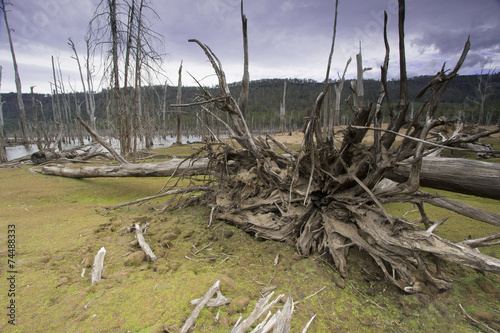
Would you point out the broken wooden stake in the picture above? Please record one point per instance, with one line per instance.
(98, 265)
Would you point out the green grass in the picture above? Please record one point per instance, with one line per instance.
(61, 224)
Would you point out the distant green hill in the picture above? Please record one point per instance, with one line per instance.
(264, 102)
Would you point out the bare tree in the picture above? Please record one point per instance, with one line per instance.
(245, 82)
(282, 110)
(120, 32)
(89, 99)
(334, 116)
(178, 101)
(483, 92)
(22, 113)
(3, 152)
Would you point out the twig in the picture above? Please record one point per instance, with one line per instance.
(308, 324)
(369, 300)
(223, 261)
(173, 192)
(272, 277)
(315, 293)
(211, 217)
(203, 248)
(311, 295)
(474, 321)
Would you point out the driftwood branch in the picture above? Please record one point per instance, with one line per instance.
(142, 243)
(159, 169)
(203, 301)
(96, 137)
(262, 306)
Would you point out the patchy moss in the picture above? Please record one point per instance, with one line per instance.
(61, 224)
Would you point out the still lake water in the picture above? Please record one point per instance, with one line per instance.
(21, 150)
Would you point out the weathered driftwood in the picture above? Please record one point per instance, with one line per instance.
(98, 265)
(324, 199)
(143, 244)
(284, 318)
(458, 175)
(96, 137)
(262, 306)
(159, 169)
(213, 302)
(203, 301)
(308, 324)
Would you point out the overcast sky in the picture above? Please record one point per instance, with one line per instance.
(287, 38)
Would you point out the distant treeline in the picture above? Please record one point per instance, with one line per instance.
(264, 102)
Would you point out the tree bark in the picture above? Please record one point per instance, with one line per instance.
(245, 82)
(457, 175)
(96, 137)
(160, 169)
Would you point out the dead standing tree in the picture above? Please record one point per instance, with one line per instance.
(326, 200)
(22, 112)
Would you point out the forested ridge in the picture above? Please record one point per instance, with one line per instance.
(264, 102)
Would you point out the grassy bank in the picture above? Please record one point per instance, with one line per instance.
(61, 224)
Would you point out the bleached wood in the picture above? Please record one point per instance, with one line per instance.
(192, 318)
(160, 169)
(96, 137)
(143, 244)
(214, 302)
(262, 306)
(98, 265)
(284, 319)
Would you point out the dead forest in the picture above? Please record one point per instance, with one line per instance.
(328, 196)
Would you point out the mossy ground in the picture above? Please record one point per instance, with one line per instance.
(62, 223)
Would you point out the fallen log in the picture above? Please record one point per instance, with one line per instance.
(160, 169)
(455, 174)
(452, 174)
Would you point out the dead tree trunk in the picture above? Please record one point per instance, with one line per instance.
(22, 113)
(3, 152)
(282, 110)
(179, 101)
(245, 82)
(457, 175)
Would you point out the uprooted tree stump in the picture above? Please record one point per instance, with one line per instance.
(326, 199)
